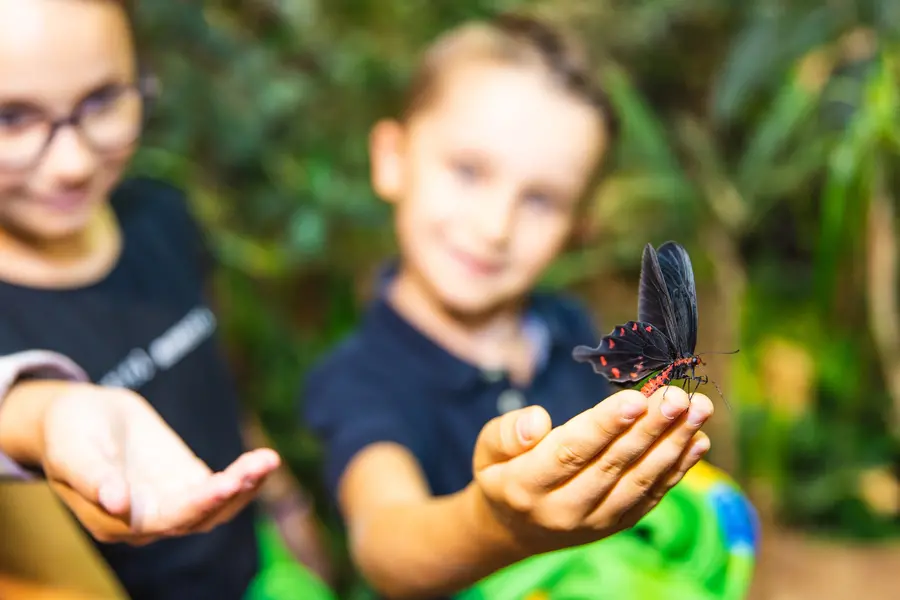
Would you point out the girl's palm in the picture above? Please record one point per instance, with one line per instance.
(127, 475)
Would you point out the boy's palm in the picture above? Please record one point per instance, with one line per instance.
(127, 475)
(595, 475)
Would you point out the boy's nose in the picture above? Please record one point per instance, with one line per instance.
(495, 218)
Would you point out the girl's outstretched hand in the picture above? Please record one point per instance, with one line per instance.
(129, 477)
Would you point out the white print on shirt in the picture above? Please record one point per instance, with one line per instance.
(140, 365)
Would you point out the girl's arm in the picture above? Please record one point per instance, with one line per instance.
(80, 435)
(22, 407)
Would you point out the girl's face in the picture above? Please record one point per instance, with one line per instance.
(70, 113)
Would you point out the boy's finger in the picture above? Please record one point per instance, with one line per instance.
(666, 406)
(695, 452)
(651, 469)
(670, 403)
(509, 435)
(573, 445)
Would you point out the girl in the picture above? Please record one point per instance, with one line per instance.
(132, 416)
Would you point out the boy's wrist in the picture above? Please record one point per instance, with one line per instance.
(492, 533)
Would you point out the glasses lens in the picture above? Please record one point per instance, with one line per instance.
(22, 137)
(112, 121)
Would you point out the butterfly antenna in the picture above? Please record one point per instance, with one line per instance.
(722, 396)
(731, 352)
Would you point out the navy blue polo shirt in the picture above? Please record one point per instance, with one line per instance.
(389, 382)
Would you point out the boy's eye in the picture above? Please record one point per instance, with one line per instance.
(540, 199)
(467, 171)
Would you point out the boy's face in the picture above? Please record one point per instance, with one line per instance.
(56, 57)
(486, 180)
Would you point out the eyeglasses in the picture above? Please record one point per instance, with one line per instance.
(108, 120)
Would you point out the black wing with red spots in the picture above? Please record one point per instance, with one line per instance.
(654, 302)
(629, 353)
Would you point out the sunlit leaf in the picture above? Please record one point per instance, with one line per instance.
(644, 139)
(794, 103)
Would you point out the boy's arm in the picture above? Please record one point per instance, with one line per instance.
(535, 490)
(395, 525)
(406, 542)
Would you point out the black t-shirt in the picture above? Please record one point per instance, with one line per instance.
(146, 326)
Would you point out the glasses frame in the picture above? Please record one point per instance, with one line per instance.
(148, 88)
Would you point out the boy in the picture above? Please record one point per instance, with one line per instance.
(436, 414)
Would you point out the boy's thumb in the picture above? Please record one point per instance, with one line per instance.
(509, 435)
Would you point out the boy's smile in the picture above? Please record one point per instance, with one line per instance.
(486, 181)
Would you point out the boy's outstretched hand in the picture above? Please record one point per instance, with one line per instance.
(127, 475)
(591, 477)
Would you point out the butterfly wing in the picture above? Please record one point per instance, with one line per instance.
(654, 303)
(630, 352)
(678, 274)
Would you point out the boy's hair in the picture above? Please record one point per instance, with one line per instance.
(511, 39)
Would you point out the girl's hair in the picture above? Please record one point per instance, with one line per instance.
(510, 39)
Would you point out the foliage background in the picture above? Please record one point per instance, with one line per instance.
(762, 135)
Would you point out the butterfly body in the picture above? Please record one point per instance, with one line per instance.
(663, 339)
(680, 369)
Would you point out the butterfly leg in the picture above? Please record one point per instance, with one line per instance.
(698, 381)
(692, 378)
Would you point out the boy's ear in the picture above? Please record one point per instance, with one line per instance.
(386, 159)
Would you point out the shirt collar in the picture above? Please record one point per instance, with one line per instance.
(540, 323)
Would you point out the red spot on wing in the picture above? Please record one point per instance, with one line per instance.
(648, 328)
(612, 344)
(615, 372)
(621, 331)
(633, 375)
(634, 326)
(603, 360)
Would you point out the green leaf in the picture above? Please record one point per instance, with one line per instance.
(711, 173)
(752, 54)
(779, 125)
(644, 140)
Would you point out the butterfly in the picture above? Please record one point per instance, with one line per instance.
(664, 338)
